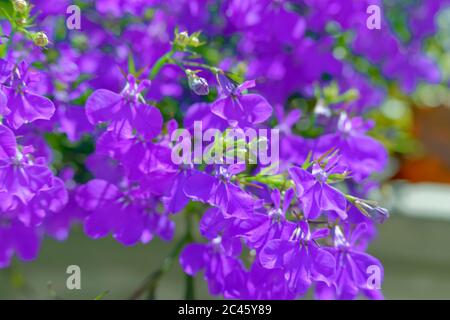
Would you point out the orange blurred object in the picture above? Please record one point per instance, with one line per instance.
(429, 169)
(432, 129)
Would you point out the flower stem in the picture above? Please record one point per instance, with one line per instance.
(150, 284)
(214, 70)
(189, 293)
(190, 288)
(161, 62)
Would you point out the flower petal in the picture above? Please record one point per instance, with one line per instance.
(333, 199)
(7, 143)
(276, 253)
(256, 108)
(28, 107)
(193, 258)
(101, 106)
(148, 121)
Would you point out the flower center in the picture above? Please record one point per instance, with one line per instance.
(321, 176)
(339, 239)
(223, 173)
(275, 215)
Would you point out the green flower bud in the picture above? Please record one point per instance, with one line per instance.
(21, 22)
(40, 39)
(197, 84)
(372, 210)
(194, 42)
(182, 39)
(20, 6)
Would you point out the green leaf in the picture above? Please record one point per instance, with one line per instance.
(6, 9)
(131, 64)
(102, 295)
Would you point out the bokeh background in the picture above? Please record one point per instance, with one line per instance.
(413, 244)
(413, 250)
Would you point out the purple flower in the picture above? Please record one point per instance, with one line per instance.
(177, 200)
(290, 47)
(17, 237)
(20, 174)
(73, 122)
(217, 262)
(129, 215)
(23, 105)
(355, 270)
(125, 113)
(104, 167)
(119, 7)
(257, 284)
(422, 18)
(411, 67)
(58, 224)
(361, 153)
(22, 224)
(220, 192)
(293, 148)
(302, 260)
(315, 194)
(260, 228)
(3, 103)
(147, 163)
(202, 112)
(239, 108)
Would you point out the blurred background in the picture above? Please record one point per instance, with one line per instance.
(413, 244)
(413, 249)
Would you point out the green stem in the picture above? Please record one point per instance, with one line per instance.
(167, 58)
(189, 293)
(178, 63)
(201, 65)
(150, 284)
(162, 61)
(277, 181)
(190, 288)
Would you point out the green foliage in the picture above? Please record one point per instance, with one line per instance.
(68, 154)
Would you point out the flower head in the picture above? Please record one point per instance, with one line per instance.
(23, 105)
(126, 114)
(316, 194)
(239, 108)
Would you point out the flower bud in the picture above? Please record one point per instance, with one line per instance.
(376, 213)
(197, 84)
(20, 6)
(40, 39)
(182, 39)
(21, 22)
(194, 41)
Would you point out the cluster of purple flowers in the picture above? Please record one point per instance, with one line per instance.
(125, 82)
(31, 195)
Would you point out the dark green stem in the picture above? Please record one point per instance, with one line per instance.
(150, 284)
(190, 288)
(189, 293)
